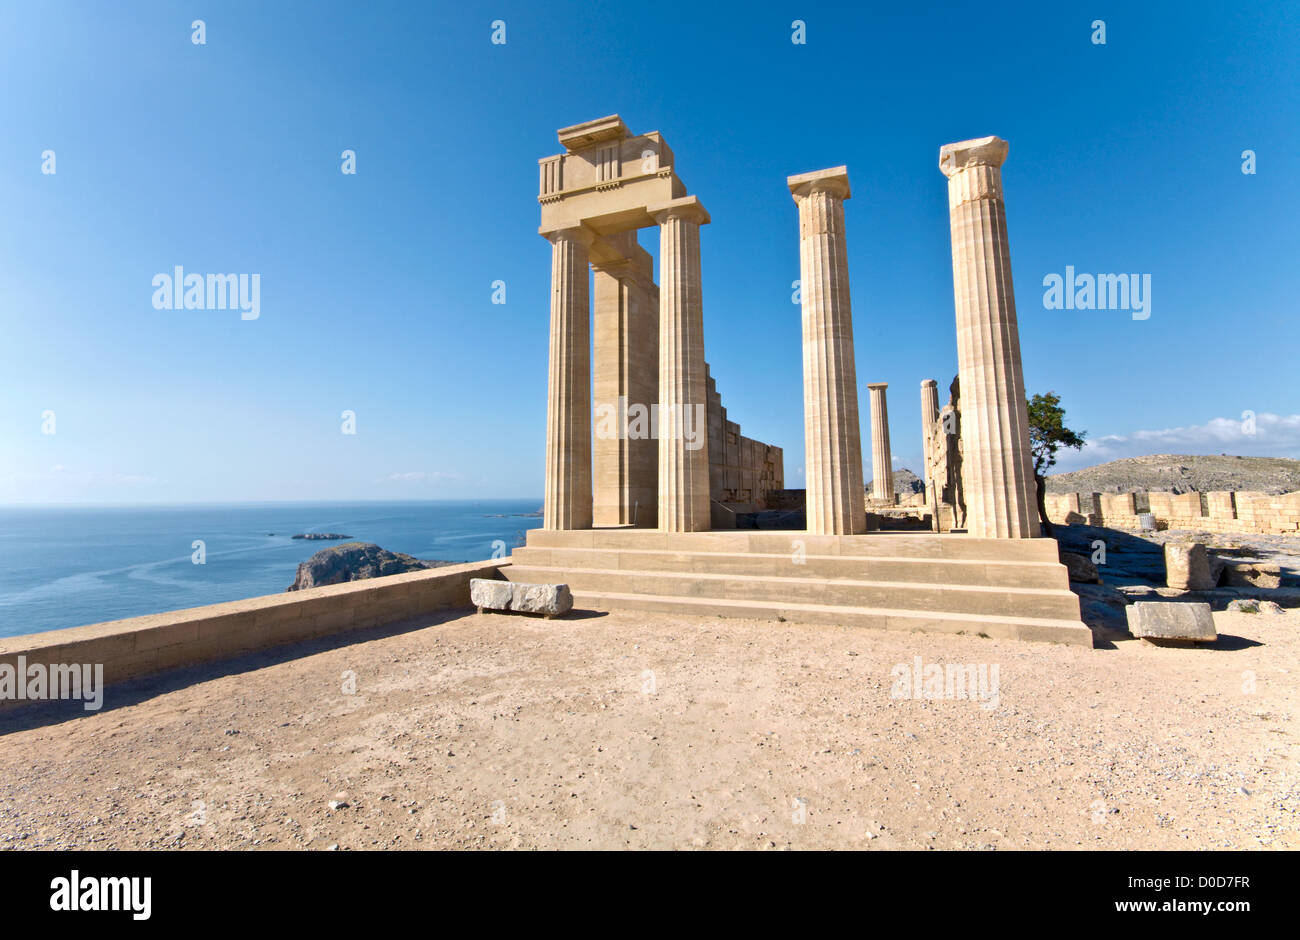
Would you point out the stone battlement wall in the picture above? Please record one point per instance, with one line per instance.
(1224, 511)
(139, 646)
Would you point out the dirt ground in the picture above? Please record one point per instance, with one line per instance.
(633, 730)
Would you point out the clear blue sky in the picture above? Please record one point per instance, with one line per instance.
(376, 288)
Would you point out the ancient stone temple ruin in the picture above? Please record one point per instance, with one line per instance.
(646, 477)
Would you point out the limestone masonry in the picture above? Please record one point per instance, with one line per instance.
(1228, 512)
(643, 467)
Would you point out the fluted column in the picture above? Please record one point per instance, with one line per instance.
(568, 394)
(832, 435)
(996, 469)
(882, 461)
(683, 424)
(929, 415)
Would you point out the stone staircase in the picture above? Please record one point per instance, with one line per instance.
(894, 581)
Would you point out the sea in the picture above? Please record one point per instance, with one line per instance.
(70, 566)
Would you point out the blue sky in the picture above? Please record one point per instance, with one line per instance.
(376, 287)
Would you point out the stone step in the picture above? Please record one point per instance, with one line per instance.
(842, 592)
(1021, 574)
(1069, 631)
(884, 544)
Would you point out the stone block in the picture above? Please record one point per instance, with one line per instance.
(1249, 605)
(490, 595)
(1171, 621)
(1187, 566)
(548, 599)
(1080, 567)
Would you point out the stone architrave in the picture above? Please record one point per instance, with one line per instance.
(835, 499)
(998, 476)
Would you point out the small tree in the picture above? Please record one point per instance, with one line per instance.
(1047, 435)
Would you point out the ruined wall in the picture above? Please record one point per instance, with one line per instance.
(1241, 512)
(741, 469)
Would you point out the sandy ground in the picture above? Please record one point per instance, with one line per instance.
(633, 730)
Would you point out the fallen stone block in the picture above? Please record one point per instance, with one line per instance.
(490, 595)
(1187, 566)
(1171, 621)
(1080, 567)
(1252, 574)
(548, 599)
(1249, 605)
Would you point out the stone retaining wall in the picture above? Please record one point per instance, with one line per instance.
(1240, 512)
(139, 646)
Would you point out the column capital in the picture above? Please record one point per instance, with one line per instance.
(576, 232)
(981, 151)
(929, 383)
(686, 207)
(878, 385)
(834, 180)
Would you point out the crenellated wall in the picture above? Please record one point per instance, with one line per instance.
(1242, 512)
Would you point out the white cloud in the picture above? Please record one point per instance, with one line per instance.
(1274, 436)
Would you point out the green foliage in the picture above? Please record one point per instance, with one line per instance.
(1048, 433)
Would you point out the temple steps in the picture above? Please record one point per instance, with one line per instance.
(878, 568)
(1007, 588)
(1002, 627)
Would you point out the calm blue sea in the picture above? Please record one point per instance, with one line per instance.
(65, 567)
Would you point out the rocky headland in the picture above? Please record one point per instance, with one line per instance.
(355, 561)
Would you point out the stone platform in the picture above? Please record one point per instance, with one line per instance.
(1007, 588)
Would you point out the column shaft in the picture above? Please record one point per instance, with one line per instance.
(682, 425)
(568, 399)
(929, 415)
(996, 469)
(832, 434)
(882, 461)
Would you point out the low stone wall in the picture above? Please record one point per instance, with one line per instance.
(139, 646)
(1240, 512)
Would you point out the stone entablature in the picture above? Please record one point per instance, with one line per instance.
(1221, 511)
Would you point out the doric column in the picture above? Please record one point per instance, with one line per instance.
(568, 395)
(996, 470)
(832, 436)
(682, 426)
(929, 415)
(882, 461)
(625, 380)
